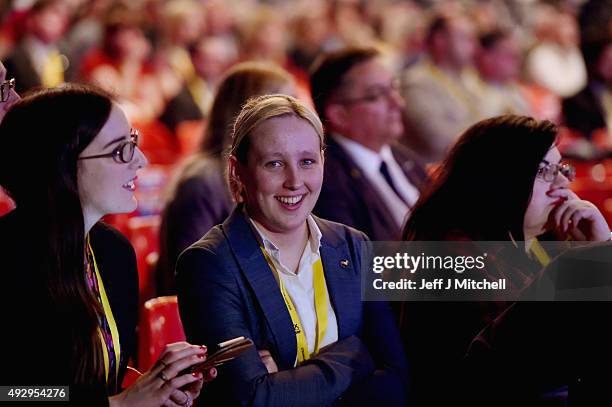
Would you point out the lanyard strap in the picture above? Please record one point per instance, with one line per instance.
(456, 90)
(320, 299)
(110, 319)
(538, 251)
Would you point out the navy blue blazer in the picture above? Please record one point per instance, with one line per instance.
(226, 289)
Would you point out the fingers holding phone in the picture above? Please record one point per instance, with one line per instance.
(268, 361)
(165, 383)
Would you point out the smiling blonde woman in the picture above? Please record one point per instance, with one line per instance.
(287, 279)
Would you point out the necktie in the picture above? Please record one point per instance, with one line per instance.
(385, 173)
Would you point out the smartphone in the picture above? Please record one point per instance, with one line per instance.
(221, 353)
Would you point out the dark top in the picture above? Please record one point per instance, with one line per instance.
(350, 198)
(199, 200)
(539, 352)
(226, 289)
(19, 66)
(35, 343)
(583, 112)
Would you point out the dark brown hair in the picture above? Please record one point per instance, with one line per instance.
(41, 177)
(482, 189)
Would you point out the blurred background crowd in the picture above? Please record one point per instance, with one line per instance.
(456, 62)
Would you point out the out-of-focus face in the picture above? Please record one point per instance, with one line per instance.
(131, 43)
(501, 63)
(541, 204)
(461, 42)
(212, 58)
(283, 175)
(49, 24)
(105, 185)
(372, 105)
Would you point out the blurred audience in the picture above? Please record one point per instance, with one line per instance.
(439, 103)
(555, 61)
(498, 61)
(37, 60)
(589, 112)
(122, 65)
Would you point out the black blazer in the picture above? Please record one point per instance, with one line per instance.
(34, 342)
(349, 197)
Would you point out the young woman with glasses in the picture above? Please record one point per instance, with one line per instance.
(503, 180)
(70, 282)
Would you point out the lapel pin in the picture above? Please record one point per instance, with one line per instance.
(344, 263)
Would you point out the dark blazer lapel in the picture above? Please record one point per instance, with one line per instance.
(338, 279)
(257, 272)
(370, 195)
(410, 165)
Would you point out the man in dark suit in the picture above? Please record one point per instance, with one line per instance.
(36, 60)
(370, 183)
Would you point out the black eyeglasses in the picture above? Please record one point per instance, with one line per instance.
(5, 89)
(374, 93)
(550, 172)
(123, 153)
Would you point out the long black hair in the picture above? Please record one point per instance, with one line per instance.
(482, 189)
(42, 136)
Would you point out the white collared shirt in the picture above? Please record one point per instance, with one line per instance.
(369, 162)
(300, 285)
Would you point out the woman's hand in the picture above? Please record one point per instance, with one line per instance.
(578, 218)
(267, 360)
(163, 385)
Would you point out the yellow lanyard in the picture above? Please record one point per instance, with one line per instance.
(111, 321)
(456, 90)
(53, 70)
(538, 251)
(320, 299)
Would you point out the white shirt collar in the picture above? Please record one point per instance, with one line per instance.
(314, 236)
(368, 160)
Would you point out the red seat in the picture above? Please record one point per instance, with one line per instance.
(189, 135)
(143, 232)
(160, 324)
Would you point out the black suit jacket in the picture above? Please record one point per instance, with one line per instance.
(349, 197)
(35, 342)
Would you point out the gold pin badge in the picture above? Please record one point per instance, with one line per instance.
(344, 263)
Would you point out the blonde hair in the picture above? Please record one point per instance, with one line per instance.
(256, 111)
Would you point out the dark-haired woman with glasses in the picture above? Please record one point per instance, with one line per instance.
(503, 180)
(70, 292)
